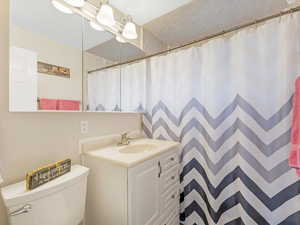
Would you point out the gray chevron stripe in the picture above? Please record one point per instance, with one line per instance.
(194, 103)
(148, 117)
(161, 123)
(146, 131)
(266, 124)
(273, 120)
(269, 175)
(267, 150)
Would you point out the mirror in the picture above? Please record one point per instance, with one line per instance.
(85, 58)
(45, 58)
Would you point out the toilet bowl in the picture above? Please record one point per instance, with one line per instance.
(58, 202)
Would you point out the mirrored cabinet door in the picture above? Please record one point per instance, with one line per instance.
(133, 86)
(45, 58)
(102, 87)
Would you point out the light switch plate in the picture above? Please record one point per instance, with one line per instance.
(84, 127)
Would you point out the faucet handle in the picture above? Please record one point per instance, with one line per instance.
(125, 134)
(124, 139)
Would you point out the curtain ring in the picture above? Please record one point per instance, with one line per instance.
(168, 50)
(280, 17)
(224, 34)
(255, 24)
(292, 13)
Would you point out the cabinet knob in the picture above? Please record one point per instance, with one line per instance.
(172, 159)
(173, 196)
(173, 177)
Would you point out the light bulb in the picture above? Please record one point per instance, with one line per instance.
(96, 26)
(61, 7)
(75, 3)
(129, 31)
(120, 39)
(106, 16)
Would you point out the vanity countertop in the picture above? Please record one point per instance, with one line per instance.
(136, 152)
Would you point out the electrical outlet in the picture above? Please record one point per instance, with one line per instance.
(84, 127)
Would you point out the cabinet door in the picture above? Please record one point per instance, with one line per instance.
(144, 193)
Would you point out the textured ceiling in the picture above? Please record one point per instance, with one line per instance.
(192, 21)
(204, 17)
(173, 22)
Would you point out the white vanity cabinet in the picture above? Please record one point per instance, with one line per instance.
(146, 194)
(153, 191)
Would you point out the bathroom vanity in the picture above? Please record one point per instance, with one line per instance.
(135, 184)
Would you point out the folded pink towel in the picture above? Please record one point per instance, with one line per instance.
(68, 105)
(47, 104)
(294, 157)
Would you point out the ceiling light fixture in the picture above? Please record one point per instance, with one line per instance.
(96, 26)
(105, 15)
(75, 3)
(61, 7)
(129, 31)
(100, 19)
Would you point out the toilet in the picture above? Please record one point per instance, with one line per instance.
(58, 202)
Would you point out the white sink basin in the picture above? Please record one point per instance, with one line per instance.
(138, 148)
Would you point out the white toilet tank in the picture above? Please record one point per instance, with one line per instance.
(58, 202)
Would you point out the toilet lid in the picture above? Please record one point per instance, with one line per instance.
(17, 194)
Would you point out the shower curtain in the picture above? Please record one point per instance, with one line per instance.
(229, 103)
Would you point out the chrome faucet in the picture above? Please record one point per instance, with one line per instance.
(125, 140)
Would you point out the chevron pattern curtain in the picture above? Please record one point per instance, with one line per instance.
(229, 103)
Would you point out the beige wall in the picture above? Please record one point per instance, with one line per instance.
(29, 140)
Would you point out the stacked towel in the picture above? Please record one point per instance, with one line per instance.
(68, 105)
(294, 157)
(48, 104)
(59, 104)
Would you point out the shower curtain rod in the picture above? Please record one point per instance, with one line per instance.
(235, 28)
